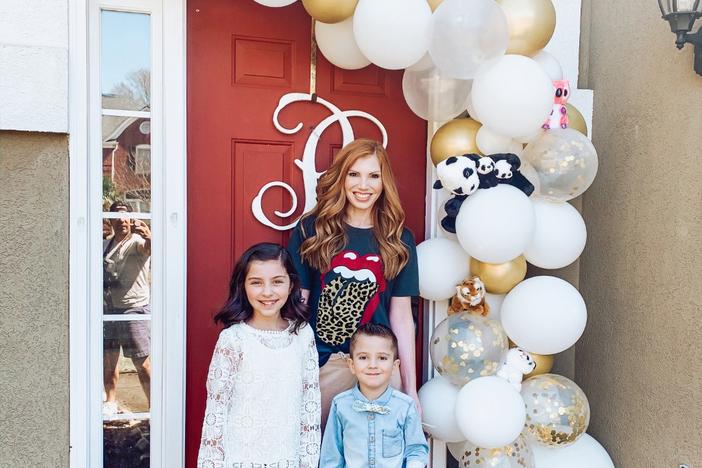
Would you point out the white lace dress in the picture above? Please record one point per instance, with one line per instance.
(263, 405)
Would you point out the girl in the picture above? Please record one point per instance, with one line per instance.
(357, 264)
(262, 387)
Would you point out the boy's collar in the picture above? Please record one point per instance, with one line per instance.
(383, 399)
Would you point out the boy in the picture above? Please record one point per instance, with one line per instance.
(373, 425)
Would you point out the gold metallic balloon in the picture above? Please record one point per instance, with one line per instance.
(500, 278)
(544, 364)
(558, 412)
(330, 11)
(531, 24)
(454, 138)
(576, 119)
(434, 4)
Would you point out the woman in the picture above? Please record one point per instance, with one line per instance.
(357, 264)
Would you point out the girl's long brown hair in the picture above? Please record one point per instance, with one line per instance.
(388, 215)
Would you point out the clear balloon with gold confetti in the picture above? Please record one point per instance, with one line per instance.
(515, 455)
(565, 162)
(558, 412)
(466, 346)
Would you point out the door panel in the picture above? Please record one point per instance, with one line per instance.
(242, 57)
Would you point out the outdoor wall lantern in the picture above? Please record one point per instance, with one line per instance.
(681, 14)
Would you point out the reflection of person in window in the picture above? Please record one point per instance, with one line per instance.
(126, 262)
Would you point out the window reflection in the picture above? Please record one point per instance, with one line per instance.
(126, 311)
(126, 161)
(126, 444)
(125, 61)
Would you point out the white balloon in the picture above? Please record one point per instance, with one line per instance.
(438, 400)
(513, 95)
(433, 96)
(544, 315)
(465, 35)
(550, 65)
(532, 176)
(559, 235)
(490, 412)
(443, 264)
(424, 63)
(393, 34)
(495, 303)
(585, 452)
(496, 225)
(491, 142)
(275, 3)
(338, 44)
(471, 110)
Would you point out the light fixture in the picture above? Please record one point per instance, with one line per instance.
(681, 14)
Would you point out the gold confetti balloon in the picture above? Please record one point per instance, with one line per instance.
(558, 412)
(515, 455)
(565, 162)
(465, 346)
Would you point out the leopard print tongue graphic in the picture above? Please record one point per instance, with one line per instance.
(341, 306)
(350, 296)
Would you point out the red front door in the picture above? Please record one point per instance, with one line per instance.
(242, 58)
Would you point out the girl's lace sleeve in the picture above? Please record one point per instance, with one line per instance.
(220, 379)
(311, 407)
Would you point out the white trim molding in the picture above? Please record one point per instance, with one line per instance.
(168, 222)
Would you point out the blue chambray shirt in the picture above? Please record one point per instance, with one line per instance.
(355, 439)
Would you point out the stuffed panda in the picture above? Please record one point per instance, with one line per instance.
(458, 175)
(507, 172)
(486, 172)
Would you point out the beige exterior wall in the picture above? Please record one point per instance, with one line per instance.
(641, 273)
(33, 300)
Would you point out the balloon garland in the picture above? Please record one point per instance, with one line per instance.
(510, 168)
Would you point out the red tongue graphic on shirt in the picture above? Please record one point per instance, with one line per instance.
(357, 268)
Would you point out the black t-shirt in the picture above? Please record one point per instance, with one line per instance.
(354, 290)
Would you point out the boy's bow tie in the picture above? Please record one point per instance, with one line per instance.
(362, 406)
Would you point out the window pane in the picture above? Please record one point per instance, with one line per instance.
(125, 60)
(126, 444)
(126, 367)
(126, 161)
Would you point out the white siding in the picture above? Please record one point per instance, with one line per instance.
(34, 65)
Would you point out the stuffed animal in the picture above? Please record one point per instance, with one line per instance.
(464, 175)
(515, 364)
(486, 172)
(507, 172)
(470, 297)
(458, 175)
(559, 112)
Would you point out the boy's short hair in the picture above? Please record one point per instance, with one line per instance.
(374, 329)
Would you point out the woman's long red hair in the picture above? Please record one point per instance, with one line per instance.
(388, 215)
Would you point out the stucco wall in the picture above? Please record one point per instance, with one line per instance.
(33, 300)
(641, 273)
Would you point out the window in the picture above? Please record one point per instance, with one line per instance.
(122, 349)
(125, 82)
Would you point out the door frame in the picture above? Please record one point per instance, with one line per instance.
(168, 217)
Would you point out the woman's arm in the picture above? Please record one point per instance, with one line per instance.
(402, 324)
